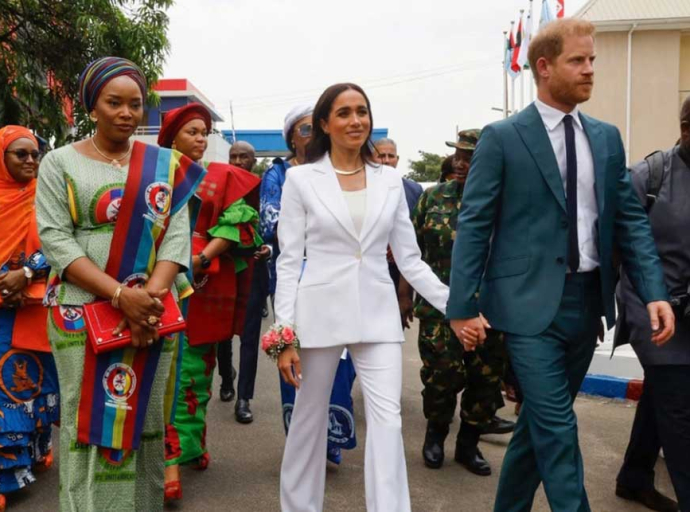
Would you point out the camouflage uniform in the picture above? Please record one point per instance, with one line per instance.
(447, 368)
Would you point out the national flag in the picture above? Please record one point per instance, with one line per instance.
(546, 14)
(523, 61)
(510, 46)
(560, 8)
(517, 49)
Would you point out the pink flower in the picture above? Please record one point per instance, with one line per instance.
(288, 335)
(265, 342)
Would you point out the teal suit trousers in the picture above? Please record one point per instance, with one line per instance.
(550, 368)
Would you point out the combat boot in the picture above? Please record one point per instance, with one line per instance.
(433, 444)
(467, 452)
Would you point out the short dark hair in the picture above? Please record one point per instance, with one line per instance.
(320, 142)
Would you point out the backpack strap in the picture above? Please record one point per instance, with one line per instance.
(655, 161)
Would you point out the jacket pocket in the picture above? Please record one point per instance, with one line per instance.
(507, 267)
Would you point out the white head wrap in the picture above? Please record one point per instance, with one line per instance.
(295, 115)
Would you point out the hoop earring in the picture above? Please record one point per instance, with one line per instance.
(93, 118)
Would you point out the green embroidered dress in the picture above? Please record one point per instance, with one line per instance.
(77, 204)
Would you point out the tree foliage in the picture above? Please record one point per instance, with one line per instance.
(427, 168)
(45, 44)
(260, 166)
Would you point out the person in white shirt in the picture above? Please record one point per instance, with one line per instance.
(547, 195)
(342, 210)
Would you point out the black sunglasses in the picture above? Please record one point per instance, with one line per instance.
(23, 154)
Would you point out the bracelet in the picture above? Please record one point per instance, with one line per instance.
(115, 301)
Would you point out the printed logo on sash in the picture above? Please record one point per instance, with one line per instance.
(136, 280)
(69, 319)
(21, 375)
(119, 382)
(106, 206)
(158, 198)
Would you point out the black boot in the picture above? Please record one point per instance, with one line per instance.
(433, 444)
(467, 453)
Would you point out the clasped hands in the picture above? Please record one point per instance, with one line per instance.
(12, 285)
(470, 331)
(139, 307)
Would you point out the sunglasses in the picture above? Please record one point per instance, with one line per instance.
(305, 130)
(23, 154)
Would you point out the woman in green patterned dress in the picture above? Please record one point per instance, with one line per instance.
(80, 192)
(225, 239)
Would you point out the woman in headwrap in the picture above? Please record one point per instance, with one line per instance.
(28, 379)
(114, 224)
(297, 131)
(224, 240)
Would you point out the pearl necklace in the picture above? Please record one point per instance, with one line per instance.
(348, 173)
(115, 162)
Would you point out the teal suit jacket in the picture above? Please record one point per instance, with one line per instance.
(509, 256)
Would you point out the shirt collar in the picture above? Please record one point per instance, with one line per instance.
(553, 117)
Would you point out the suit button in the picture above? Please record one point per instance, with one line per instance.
(560, 260)
(564, 224)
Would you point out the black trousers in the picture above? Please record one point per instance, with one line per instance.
(249, 340)
(662, 420)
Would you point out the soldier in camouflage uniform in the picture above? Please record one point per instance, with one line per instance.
(448, 369)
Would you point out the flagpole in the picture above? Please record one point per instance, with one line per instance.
(522, 74)
(505, 77)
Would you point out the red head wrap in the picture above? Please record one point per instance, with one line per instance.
(177, 118)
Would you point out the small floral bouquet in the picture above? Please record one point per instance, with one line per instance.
(277, 339)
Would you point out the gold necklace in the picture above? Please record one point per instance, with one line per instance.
(348, 173)
(115, 162)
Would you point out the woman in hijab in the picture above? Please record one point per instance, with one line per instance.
(297, 131)
(114, 225)
(225, 237)
(28, 379)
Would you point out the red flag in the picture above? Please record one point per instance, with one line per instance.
(515, 66)
(560, 8)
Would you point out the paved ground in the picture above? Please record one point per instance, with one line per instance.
(244, 472)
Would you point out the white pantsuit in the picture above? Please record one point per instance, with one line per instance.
(346, 298)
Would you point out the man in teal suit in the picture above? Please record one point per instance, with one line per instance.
(548, 197)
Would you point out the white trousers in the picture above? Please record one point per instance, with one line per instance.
(303, 472)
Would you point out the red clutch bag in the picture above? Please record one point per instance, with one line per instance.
(102, 318)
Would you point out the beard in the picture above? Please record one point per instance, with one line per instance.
(571, 93)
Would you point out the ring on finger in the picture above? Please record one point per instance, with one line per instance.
(5, 292)
(149, 341)
(153, 320)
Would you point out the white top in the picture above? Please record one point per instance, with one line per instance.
(357, 204)
(587, 211)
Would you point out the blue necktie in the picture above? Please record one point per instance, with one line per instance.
(571, 193)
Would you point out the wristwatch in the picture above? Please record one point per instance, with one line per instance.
(205, 262)
(28, 273)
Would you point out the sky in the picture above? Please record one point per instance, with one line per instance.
(427, 66)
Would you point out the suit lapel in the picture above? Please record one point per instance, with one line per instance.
(376, 198)
(327, 189)
(533, 133)
(597, 144)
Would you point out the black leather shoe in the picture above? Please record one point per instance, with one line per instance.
(227, 395)
(472, 459)
(433, 445)
(498, 426)
(243, 413)
(651, 498)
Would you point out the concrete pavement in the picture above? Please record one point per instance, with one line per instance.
(245, 466)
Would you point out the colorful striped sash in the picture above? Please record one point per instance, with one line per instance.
(116, 385)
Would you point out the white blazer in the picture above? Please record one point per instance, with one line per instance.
(345, 294)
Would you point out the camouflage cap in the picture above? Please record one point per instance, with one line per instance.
(467, 139)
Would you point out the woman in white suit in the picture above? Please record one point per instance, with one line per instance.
(343, 211)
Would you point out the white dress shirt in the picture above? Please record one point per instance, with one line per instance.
(357, 204)
(587, 211)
